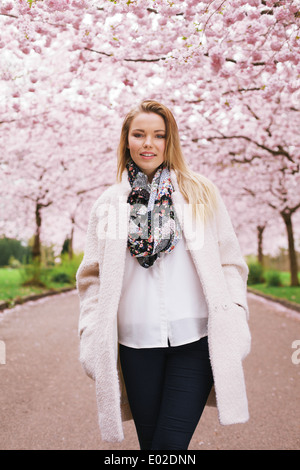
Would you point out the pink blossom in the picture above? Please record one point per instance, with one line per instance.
(295, 59)
(216, 59)
(82, 92)
(225, 73)
(37, 49)
(240, 16)
(270, 67)
(268, 20)
(212, 79)
(48, 41)
(84, 111)
(6, 75)
(40, 29)
(254, 14)
(82, 57)
(256, 56)
(76, 46)
(275, 46)
(25, 50)
(7, 8)
(23, 7)
(128, 82)
(57, 4)
(251, 39)
(80, 3)
(281, 13)
(292, 87)
(229, 20)
(163, 21)
(293, 8)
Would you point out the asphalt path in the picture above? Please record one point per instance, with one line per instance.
(47, 402)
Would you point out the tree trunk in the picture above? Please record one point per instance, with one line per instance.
(70, 246)
(260, 254)
(36, 249)
(287, 217)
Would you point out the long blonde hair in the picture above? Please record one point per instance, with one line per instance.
(196, 188)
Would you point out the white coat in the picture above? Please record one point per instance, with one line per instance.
(223, 273)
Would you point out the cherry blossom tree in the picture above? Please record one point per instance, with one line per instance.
(70, 70)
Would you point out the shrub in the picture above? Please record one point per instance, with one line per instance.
(61, 277)
(11, 247)
(34, 275)
(68, 266)
(255, 273)
(273, 279)
(14, 263)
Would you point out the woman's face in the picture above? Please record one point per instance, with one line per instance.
(147, 141)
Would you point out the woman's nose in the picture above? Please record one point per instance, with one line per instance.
(148, 141)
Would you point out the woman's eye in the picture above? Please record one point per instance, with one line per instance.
(159, 136)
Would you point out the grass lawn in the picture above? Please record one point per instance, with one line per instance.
(284, 292)
(11, 288)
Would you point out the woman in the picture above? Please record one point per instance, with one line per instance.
(162, 287)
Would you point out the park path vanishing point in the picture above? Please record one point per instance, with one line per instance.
(47, 402)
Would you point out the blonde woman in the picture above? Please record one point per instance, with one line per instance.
(162, 287)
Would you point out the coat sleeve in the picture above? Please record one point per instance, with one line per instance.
(234, 266)
(88, 283)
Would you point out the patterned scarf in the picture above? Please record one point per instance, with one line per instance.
(153, 226)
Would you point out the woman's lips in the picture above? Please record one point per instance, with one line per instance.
(147, 156)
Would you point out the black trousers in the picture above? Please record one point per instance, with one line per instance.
(167, 390)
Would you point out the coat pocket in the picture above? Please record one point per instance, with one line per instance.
(87, 352)
(240, 329)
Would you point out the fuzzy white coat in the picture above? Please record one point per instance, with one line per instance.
(223, 274)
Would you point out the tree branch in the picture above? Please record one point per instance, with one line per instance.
(10, 16)
(244, 160)
(125, 60)
(252, 112)
(83, 191)
(280, 150)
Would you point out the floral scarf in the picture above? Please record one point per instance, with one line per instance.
(153, 226)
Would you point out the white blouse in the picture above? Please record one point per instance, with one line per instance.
(163, 302)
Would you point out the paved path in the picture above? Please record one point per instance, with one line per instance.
(47, 402)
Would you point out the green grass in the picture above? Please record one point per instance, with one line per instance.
(284, 292)
(11, 280)
(289, 293)
(11, 283)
